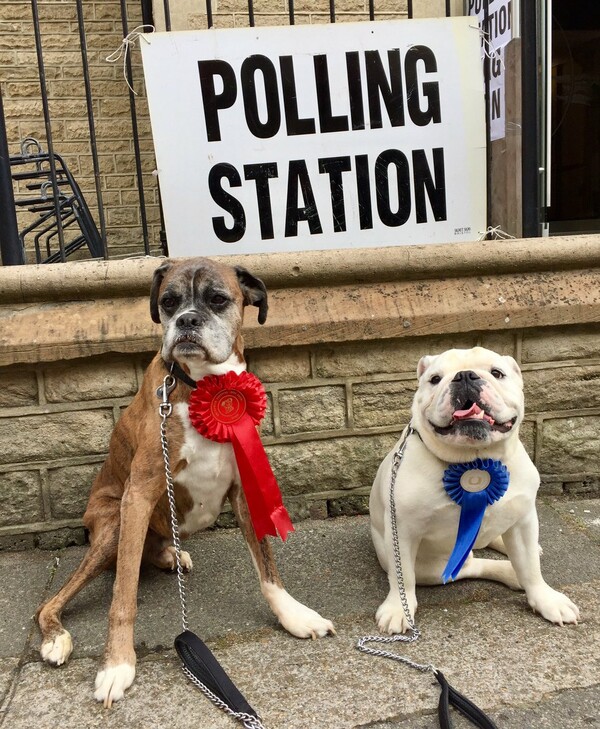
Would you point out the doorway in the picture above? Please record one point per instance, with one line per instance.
(575, 129)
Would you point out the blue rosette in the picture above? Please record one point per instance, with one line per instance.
(472, 506)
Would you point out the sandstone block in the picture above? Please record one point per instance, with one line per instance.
(313, 408)
(527, 435)
(57, 435)
(59, 538)
(563, 388)
(324, 465)
(70, 488)
(551, 488)
(559, 343)
(21, 498)
(15, 11)
(586, 487)
(123, 216)
(17, 542)
(19, 387)
(266, 426)
(348, 505)
(279, 365)
(571, 445)
(90, 379)
(387, 356)
(382, 403)
(501, 342)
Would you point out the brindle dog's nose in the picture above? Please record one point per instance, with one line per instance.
(189, 319)
(465, 376)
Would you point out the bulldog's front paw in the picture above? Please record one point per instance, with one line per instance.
(112, 682)
(553, 605)
(390, 615)
(295, 617)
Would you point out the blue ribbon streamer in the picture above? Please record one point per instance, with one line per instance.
(472, 506)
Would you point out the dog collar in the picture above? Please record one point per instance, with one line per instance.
(178, 372)
(473, 486)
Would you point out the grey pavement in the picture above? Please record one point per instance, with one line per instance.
(526, 673)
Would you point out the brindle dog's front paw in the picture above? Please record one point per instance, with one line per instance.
(57, 650)
(295, 617)
(303, 622)
(112, 682)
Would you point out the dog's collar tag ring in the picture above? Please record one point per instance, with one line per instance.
(227, 408)
(473, 486)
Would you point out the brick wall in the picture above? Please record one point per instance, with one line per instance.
(334, 411)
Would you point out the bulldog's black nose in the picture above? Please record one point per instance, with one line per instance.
(465, 376)
(189, 319)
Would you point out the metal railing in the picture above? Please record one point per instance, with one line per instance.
(49, 193)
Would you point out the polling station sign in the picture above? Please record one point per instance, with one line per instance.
(313, 137)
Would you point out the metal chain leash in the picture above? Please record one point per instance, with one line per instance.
(415, 633)
(165, 409)
(249, 721)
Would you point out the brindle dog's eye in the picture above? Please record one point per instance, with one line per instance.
(218, 300)
(435, 380)
(168, 302)
(498, 374)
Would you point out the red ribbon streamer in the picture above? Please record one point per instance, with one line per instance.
(227, 408)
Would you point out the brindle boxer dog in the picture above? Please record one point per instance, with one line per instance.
(200, 305)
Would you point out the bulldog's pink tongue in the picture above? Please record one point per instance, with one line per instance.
(473, 413)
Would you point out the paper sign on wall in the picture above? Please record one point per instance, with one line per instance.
(314, 137)
(499, 33)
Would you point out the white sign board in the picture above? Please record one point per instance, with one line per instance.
(499, 33)
(312, 137)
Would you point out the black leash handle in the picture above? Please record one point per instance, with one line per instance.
(451, 697)
(201, 662)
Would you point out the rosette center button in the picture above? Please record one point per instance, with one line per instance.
(228, 406)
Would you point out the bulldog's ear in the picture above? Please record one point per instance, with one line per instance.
(424, 363)
(255, 292)
(514, 365)
(159, 274)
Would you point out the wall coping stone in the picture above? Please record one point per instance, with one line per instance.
(81, 309)
(132, 277)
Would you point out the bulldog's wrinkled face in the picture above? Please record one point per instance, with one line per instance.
(469, 397)
(200, 306)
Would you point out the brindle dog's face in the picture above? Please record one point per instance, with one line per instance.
(200, 305)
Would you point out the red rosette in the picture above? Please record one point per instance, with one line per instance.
(220, 401)
(226, 409)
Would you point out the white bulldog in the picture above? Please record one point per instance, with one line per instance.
(468, 405)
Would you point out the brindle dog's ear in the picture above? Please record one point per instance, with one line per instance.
(159, 274)
(254, 291)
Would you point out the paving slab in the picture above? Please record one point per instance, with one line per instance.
(329, 565)
(500, 658)
(23, 576)
(571, 709)
(483, 635)
(584, 513)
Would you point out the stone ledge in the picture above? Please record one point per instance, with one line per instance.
(303, 316)
(132, 277)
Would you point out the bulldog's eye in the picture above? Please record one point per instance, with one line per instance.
(498, 374)
(218, 300)
(435, 380)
